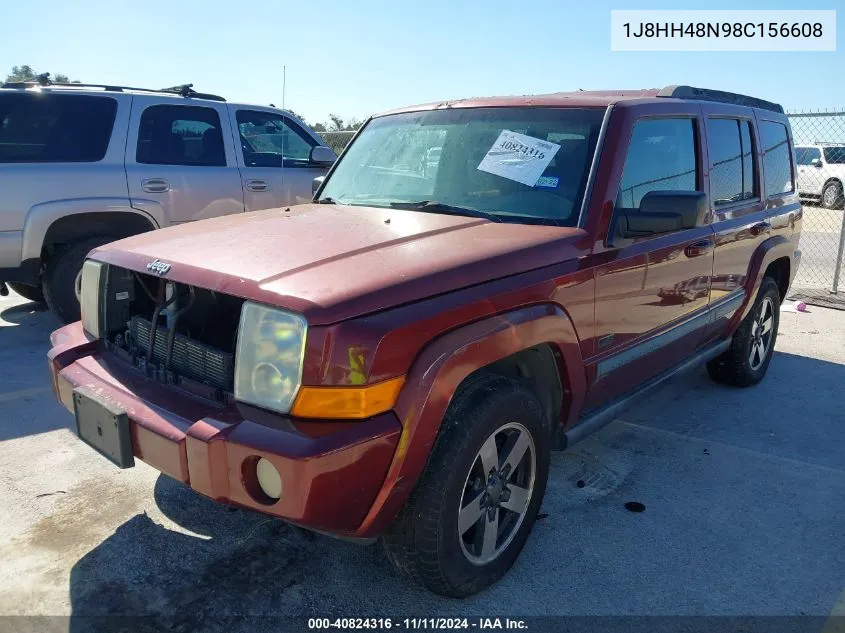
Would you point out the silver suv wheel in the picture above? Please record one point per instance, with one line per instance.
(497, 492)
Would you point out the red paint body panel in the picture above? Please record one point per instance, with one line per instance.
(434, 297)
(333, 263)
(443, 366)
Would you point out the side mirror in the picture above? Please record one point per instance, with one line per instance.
(322, 155)
(316, 184)
(661, 212)
(816, 162)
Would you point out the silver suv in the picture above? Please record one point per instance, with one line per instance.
(83, 165)
(821, 172)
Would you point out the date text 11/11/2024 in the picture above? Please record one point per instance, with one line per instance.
(377, 624)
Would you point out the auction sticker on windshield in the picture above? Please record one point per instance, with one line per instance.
(518, 157)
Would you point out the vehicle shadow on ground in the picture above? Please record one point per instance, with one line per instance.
(588, 554)
(28, 313)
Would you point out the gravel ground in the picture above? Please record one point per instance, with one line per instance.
(744, 493)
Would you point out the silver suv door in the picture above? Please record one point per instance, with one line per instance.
(180, 156)
(274, 156)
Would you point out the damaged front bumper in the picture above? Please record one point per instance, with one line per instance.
(331, 471)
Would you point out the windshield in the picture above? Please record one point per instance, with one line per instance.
(511, 164)
(835, 155)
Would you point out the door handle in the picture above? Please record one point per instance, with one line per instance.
(155, 185)
(256, 185)
(698, 249)
(761, 227)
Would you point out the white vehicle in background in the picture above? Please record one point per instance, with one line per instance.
(821, 173)
(83, 165)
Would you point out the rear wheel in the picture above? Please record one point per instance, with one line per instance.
(747, 360)
(475, 505)
(33, 293)
(832, 197)
(63, 276)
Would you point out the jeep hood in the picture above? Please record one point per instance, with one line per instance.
(332, 262)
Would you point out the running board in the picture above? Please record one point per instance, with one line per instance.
(594, 421)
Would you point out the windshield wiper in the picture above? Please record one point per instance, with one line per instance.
(446, 209)
(326, 201)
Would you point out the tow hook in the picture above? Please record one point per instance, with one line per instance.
(4, 289)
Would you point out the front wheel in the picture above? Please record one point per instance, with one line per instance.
(475, 505)
(746, 361)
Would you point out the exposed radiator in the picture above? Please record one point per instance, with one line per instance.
(190, 358)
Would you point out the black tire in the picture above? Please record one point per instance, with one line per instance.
(33, 293)
(59, 281)
(736, 366)
(424, 542)
(832, 197)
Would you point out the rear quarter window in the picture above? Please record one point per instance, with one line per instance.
(55, 128)
(777, 158)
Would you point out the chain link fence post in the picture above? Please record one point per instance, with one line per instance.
(838, 267)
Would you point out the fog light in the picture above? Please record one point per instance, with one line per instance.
(269, 479)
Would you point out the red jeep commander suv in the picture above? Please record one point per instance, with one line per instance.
(399, 358)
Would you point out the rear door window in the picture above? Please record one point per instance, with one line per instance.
(180, 135)
(732, 160)
(777, 158)
(46, 127)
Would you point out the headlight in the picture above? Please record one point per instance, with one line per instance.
(268, 361)
(89, 298)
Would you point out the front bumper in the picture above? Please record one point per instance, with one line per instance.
(331, 471)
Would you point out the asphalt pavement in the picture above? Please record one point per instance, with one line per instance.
(744, 495)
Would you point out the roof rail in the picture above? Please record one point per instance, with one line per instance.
(43, 80)
(705, 94)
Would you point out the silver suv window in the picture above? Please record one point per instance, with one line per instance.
(180, 135)
(268, 140)
(53, 128)
(806, 155)
(834, 155)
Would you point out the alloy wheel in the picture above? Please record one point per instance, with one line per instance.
(497, 493)
(761, 334)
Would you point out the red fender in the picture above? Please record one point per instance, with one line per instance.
(443, 365)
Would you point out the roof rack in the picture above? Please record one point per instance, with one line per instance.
(705, 94)
(43, 80)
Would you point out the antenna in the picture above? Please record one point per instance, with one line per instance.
(284, 82)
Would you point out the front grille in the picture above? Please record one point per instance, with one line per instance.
(189, 359)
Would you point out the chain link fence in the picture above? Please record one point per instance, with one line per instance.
(820, 157)
(337, 140)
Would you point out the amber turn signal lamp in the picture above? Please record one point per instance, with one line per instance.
(354, 403)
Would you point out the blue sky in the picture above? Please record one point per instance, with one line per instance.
(356, 58)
